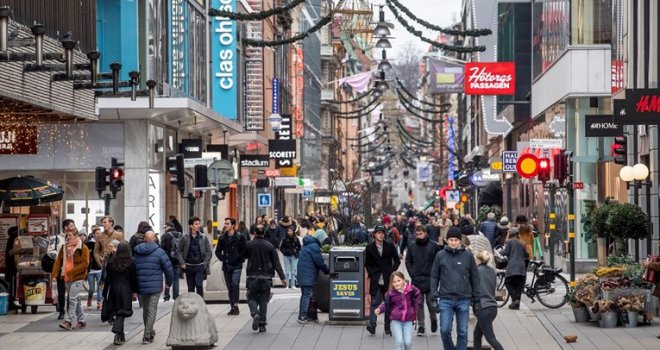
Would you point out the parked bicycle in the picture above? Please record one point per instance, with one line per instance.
(547, 285)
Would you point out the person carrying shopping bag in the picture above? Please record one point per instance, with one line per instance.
(400, 307)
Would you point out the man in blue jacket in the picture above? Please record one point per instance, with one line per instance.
(151, 262)
(455, 281)
(489, 229)
(309, 264)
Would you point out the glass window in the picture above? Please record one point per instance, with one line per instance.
(591, 22)
(551, 34)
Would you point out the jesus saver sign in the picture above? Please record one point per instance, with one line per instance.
(490, 78)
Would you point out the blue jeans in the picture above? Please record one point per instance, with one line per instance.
(402, 333)
(94, 282)
(233, 281)
(305, 296)
(290, 267)
(449, 307)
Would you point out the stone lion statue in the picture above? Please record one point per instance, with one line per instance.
(191, 324)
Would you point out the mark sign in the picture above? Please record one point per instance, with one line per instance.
(509, 160)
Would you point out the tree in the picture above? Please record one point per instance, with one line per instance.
(406, 66)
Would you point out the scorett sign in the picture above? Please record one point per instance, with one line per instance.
(602, 126)
(281, 149)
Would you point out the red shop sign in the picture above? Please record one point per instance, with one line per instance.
(490, 78)
(15, 139)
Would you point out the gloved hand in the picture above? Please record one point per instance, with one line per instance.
(476, 307)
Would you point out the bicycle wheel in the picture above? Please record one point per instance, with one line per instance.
(551, 292)
(501, 293)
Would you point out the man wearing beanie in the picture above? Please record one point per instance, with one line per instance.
(455, 281)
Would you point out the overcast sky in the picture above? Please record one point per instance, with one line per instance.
(440, 12)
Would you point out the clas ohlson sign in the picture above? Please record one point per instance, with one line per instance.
(223, 57)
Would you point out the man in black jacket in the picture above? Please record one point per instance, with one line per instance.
(419, 261)
(229, 250)
(263, 261)
(167, 243)
(455, 280)
(381, 260)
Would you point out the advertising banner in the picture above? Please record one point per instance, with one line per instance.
(346, 290)
(424, 171)
(445, 77)
(16, 139)
(191, 148)
(224, 87)
(490, 78)
(602, 126)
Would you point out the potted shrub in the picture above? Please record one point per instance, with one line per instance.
(627, 221)
(597, 230)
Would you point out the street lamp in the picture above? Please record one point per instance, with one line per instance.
(636, 174)
(275, 121)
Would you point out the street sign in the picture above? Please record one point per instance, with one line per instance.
(221, 173)
(578, 185)
(453, 195)
(191, 162)
(263, 199)
(307, 193)
(546, 143)
(509, 160)
(496, 166)
(527, 165)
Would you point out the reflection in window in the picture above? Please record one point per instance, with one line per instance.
(551, 33)
(591, 22)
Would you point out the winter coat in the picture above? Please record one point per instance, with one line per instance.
(516, 255)
(378, 266)
(489, 229)
(167, 244)
(229, 251)
(357, 234)
(419, 261)
(151, 262)
(103, 247)
(479, 242)
(310, 262)
(455, 275)
(434, 232)
(488, 280)
(118, 292)
(80, 263)
(281, 232)
(93, 264)
(262, 259)
(403, 306)
(502, 232)
(290, 246)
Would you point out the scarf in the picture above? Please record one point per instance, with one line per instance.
(71, 246)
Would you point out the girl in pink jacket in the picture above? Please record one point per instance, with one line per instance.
(400, 305)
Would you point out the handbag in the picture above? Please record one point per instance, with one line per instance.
(651, 275)
(47, 263)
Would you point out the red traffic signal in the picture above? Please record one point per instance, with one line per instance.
(544, 169)
(116, 179)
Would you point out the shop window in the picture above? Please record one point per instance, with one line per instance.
(591, 22)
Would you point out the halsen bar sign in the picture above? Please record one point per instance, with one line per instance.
(490, 78)
(602, 126)
(254, 161)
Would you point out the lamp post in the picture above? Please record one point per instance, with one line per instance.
(637, 174)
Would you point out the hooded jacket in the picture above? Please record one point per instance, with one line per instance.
(419, 261)
(454, 275)
(151, 262)
(403, 306)
(310, 262)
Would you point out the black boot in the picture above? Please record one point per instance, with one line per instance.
(123, 337)
(61, 315)
(117, 339)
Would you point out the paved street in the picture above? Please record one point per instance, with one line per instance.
(528, 329)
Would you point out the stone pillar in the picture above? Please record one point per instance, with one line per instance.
(136, 175)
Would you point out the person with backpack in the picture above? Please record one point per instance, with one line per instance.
(170, 242)
(309, 264)
(401, 302)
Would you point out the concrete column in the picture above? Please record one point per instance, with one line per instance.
(136, 175)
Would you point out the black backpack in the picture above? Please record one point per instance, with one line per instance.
(176, 243)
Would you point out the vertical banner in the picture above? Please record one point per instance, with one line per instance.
(298, 110)
(224, 79)
(285, 133)
(452, 149)
(179, 66)
(276, 96)
(424, 171)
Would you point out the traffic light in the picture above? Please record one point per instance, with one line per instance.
(101, 180)
(175, 168)
(116, 179)
(561, 167)
(620, 150)
(544, 170)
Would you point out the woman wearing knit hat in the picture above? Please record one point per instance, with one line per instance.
(502, 231)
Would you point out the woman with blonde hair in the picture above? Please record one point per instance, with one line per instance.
(486, 315)
(400, 307)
